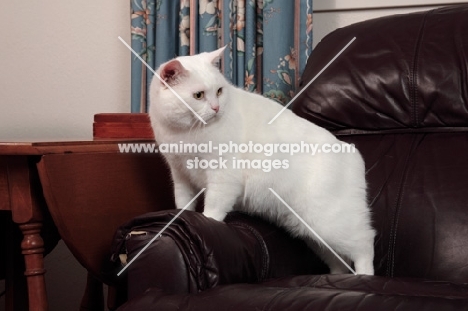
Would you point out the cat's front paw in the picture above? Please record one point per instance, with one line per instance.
(216, 215)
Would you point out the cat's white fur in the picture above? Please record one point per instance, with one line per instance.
(327, 190)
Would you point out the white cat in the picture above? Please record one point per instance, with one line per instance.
(328, 190)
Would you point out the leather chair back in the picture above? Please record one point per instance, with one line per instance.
(400, 94)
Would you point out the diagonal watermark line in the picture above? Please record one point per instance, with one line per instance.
(164, 82)
(313, 231)
(310, 82)
(160, 232)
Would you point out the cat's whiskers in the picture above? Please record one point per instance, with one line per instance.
(201, 128)
(190, 131)
(194, 130)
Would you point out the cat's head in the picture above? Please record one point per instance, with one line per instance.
(197, 81)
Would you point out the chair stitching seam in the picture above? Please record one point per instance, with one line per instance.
(414, 72)
(396, 215)
(265, 253)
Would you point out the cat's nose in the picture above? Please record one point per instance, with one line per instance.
(215, 108)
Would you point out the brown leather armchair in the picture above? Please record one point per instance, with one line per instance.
(400, 94)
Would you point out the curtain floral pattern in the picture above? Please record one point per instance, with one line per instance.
(268, 41)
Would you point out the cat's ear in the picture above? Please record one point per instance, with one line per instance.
(173, 72)
(216, 56)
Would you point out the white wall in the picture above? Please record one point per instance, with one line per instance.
(60, 63)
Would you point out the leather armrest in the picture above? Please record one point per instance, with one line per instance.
(196, 253)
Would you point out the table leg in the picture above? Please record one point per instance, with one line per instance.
(32, 248)
(25, 204)
(15, 282)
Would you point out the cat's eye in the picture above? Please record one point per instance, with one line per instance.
(220, 91)
(199, 95)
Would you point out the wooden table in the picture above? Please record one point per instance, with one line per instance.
(20, 193)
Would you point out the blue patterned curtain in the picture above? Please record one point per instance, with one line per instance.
(268, 41)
